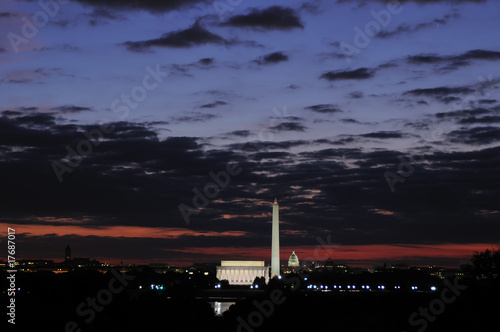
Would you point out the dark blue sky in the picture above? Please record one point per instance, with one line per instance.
(374, 123)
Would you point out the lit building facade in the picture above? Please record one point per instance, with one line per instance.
(293, 261)
(242, 272)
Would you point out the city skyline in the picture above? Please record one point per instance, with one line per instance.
(162, 131)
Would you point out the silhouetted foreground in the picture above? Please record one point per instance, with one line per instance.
(90, 301)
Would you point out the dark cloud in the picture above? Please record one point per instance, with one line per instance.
(63, 47)
(482, 120)
(194, 36)
(403, 28)
(194, 117)
(324, 108)
(356, 95)
(479, 55)
(240, 133)
(11, 113)
(206, 61)
(448, 99)
(384, 134)
(71, 109)
(263, 146)
(275, 17)
(462, 113)
(35, 120)
(400, 29)
(133, 178)
(350, 121)
(422, 2)
(424, 59)
(476, 135)
(357, 74)
(453, 62)
(33, 75)
(440, 91)
(289, 126)
(272, 58)
(290, 118)
(214, 104)
(102, 15)
(153, 6)
(487, 101)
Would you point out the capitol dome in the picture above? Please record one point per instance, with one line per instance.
(293, 261)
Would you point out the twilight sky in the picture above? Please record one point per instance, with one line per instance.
(375, 124)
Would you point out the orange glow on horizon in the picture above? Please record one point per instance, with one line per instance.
(114, 231)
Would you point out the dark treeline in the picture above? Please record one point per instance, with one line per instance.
(86, 300)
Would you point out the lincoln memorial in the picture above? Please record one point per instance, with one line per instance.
(242, 272)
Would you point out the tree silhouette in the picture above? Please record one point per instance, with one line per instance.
(487, 263)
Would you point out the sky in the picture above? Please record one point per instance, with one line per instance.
(161, 131)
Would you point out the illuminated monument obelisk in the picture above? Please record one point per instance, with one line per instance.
(275, 246)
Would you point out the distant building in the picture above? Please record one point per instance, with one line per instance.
(242, 272)
(30, 265)
(161, 268)
(329, 264)
(85, 262)
(293, 261)
(67, 254)
(399, 267)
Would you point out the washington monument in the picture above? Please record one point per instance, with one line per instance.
(275, 247)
